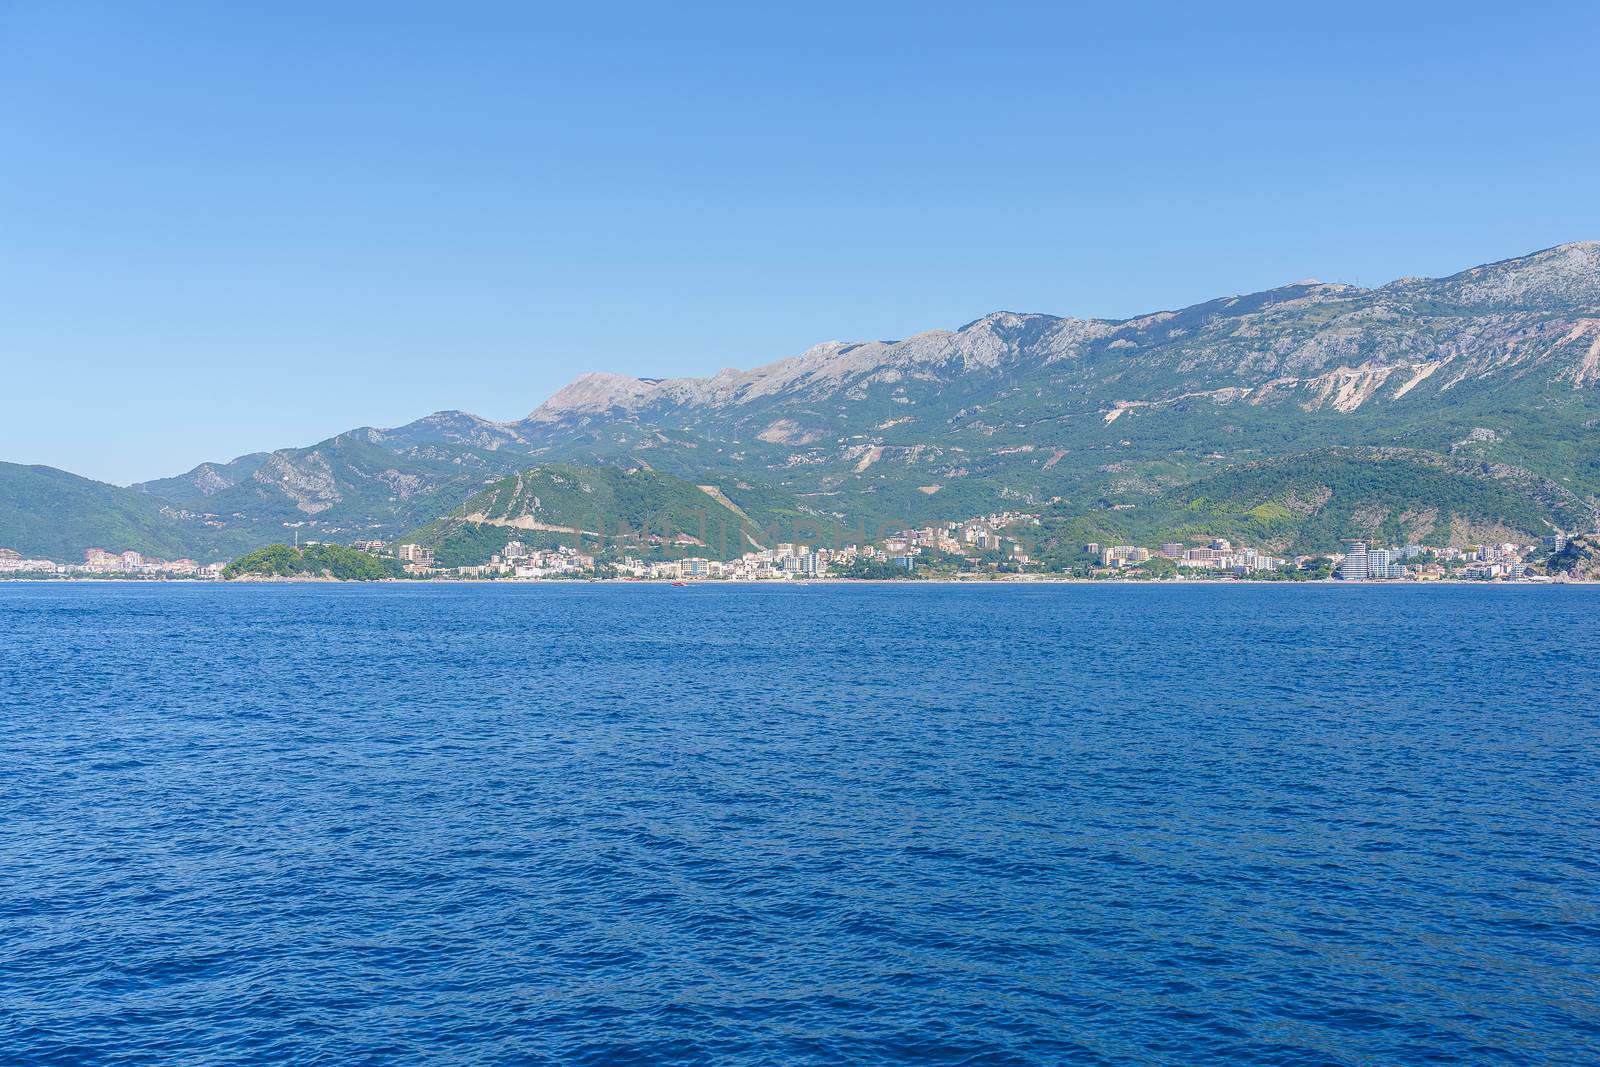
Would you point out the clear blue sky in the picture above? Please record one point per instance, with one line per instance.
(234, 227)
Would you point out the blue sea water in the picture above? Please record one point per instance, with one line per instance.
(825, 824)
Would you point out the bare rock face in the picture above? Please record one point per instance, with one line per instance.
(1314, 344)
(593, 394)
(1566, 276)
(447, 428)
(1497, 366)
(1579, 560)
(307, 480)
(208, 480)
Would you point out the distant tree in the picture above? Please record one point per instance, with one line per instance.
(334, 561)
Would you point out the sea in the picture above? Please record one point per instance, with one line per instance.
(799, 824)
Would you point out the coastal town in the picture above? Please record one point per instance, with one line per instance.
(989, 547)
(99, 563)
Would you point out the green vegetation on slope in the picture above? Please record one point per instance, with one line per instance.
(50, 514)
(349, 487)
(1095, 423)
(1308, 503)
(327, 561)
(597, 509)
(193, 489)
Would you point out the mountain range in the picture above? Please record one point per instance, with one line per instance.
(1463, 407)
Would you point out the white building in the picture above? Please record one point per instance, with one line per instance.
(1353, 568)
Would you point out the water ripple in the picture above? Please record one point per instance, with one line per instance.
(602, 825)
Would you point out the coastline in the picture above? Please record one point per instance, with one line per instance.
(801, 583)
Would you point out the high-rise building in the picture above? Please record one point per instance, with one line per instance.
(1378, 563)
(1354, 567)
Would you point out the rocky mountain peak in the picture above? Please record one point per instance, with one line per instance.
(1566, 277)
(593, 393)
(1289, 338)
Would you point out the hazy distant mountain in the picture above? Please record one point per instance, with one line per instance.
(1493, 373)
(204, 481)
